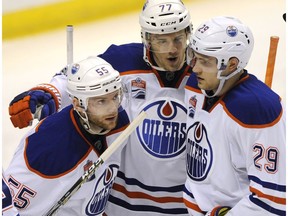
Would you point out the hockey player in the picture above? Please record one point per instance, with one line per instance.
(55, 154)
(235, 128)
(152, 176)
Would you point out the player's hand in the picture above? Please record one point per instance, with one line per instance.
(37, 103)
(218, 211)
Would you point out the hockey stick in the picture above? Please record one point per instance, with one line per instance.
(106, 154)
(69, 31)
(69, 43)
(271, 60)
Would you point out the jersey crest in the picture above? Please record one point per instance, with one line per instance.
(199, 152)
(101, 192)
(163, 133)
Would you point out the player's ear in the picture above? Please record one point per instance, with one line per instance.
(232, 64)
(77, 106)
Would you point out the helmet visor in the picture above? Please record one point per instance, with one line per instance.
(165, 43)
(105, 102)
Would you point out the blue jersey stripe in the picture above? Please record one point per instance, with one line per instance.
(146, 208)
(132, 181)
(266, 206)
(188, 192)
(269, 185)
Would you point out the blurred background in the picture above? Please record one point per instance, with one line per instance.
(34, 40)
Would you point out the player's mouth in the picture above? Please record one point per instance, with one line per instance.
(172, 59)
(199, 79)
(111, 119)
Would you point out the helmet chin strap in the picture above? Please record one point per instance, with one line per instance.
(87, 127)
(146, 59)
(222, 82)
(220, 86)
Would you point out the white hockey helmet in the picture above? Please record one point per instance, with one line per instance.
(163, 17)
(92, 77)
(223, 38)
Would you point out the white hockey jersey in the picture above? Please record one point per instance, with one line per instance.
(236, 150)
(152, 172)
(52, 157)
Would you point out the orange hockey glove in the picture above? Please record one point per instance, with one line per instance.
(38, 102)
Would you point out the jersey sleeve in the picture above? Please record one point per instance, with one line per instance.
(264, 148)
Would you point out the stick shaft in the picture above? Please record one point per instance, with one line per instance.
(271, 60)
(69, 31)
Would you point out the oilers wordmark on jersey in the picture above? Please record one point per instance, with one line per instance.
(101, 191)
(199, 152)
(161, 135)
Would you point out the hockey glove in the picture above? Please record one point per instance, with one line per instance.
(38, 102)
(218, 211)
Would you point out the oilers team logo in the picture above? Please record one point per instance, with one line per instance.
(163, 134)
(231, 31)
(199, 152)
(75, 68)
(101, 191)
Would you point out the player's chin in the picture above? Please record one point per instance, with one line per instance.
(172, 67)
(175, 65)
(202, 85)
(110, 124)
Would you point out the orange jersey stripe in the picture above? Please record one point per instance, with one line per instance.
(192, 206)
(272, 198)
(141, 195)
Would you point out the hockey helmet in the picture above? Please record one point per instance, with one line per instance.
(223, 38)
(92, 77)
(163, 17)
